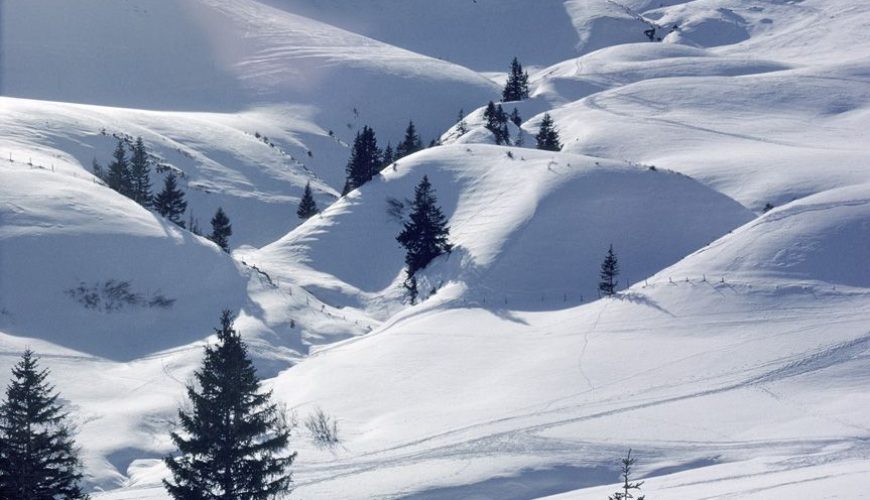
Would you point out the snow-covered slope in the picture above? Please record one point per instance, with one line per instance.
(735, 364)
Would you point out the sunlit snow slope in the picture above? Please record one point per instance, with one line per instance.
(727, 164)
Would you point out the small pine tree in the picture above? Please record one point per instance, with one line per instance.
(38, 459)
(517, 86)
(233, 441)
(307, 205)
(425, 235)
(515, 117)
(365, 160)
(548, 137)
(496, 122)
(388, 157)
(608, 274)
(627, 485)
(170, 202)
(411, 143)
(462, 128)
(118, 175)
(140, 171)
(221, 230)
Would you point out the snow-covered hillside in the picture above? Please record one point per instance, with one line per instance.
(727, 164)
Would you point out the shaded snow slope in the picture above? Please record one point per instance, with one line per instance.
(89, 269)
(529, 231)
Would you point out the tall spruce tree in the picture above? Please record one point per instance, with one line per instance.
(425, 234)
(608, 274)
(221, 230)
(233, 440)
(38, 459)
(517, 86)
(548, 137)
(365, 160)
(140, 174)
(411, 143)
(170, 202)
(496, 122)
(118, 175)
(307, 205)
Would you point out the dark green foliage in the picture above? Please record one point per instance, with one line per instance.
(608, 274)
(98, 170)
(140, 170)
(170, 202)
(233, 439)
(516, 118)
(411, 143)
(548, 137)
(118, 175)
(425, 234)
(496, 122)
(365, 160)
(517, 86)
(627, 485)
(221, 230)
(388, 156)
(37, 454)
(462, 128)
(307, 205)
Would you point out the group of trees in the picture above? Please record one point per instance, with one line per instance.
(367, 159)
(131, 177)
(232, 442)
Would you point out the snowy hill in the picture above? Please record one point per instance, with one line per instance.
(727, 165)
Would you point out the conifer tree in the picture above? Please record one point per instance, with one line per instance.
(425, 235)
(140, 171)
(38, 459)
(627, 485)
(517, 86)
(98, 170)
(462, 128)
(221, 230)
(516, 118)
(307, 205)
(496, 122)
(388, 157)
(411, 143)
(548, 137)
(170, 202)
(365, 160)
(608, 274)
(118, 174)
(233, 440)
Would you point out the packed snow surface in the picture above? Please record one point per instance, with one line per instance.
(726, 162)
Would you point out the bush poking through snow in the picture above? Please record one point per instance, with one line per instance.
(627, 485)
(323, 428)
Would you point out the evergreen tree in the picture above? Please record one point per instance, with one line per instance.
(221, 230)
(307, 205)
(170, 202)
(548, 137)
(140, 171)
(233, 439)
(410, 144)
(517, 86)
(608, 274)
(516, 118)
(496, 122)
(37, 454)
(627, 485)
(365, 160)
(98, 170)
(462, 128)
(425, 235)
(118, 176)
(388, 157)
